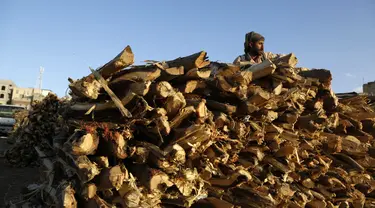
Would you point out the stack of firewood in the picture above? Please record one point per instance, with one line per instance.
(194, 133)
(34, 127)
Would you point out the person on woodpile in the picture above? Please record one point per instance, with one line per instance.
(254, 51)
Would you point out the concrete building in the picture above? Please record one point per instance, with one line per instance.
(369, 88)
(25, 96)
(13, 95)
(6, 88)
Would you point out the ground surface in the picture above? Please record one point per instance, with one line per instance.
(13, 179)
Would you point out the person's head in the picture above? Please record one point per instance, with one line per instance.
(254, 43)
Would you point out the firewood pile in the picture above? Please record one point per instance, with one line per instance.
(32, 128)
(194, 133)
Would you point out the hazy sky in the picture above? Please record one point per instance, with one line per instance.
(67, 37)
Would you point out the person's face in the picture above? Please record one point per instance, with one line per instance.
(257, 47)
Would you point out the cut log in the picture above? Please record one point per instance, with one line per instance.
(125, 112)
(223, 107)
(136, 75)
(119, 145)
(174, 103)
(289, 61)
(261, 70)
(88, 87)
(66, 196)
(197, 60)
(82, 143)
(324, 76)
(181, 116)
(170, 73)
(192, 85)
(163, 90)
(111, 178)
(243, 77)
(259, 98)
(89, 191)
(152, 179)
(86, 169)
(102, 161)
(193, 134)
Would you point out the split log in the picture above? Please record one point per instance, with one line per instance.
(261, 70)
(174, 103)
(82, 143)
(168, 74)
(197, 60)
(86, 169)
(223, 107)
(89, 191)
(192, 85)
(289, 61)
(136, 75)
(66, 196)
(88, 87)
(125, 112)
(152, 179)
(111, 178)
(181, 116)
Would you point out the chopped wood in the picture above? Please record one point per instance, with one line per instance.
(201, 134)
(89, 191)
(289, 61)
(192, 85)
(196, 60)
(125, 112)
(85, 144)
(111, 178)
(88, 87)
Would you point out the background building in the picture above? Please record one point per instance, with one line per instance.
(369, 88)
(13, 95)
(6, 88)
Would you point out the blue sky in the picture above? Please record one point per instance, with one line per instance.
(67, 37)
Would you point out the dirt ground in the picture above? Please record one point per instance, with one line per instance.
(12, 180)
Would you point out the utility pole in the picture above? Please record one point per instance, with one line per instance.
(38, 86)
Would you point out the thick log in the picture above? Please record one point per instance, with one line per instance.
(197, 60)
(81, 143)
(66, 196)
(289, 61)
(111, 178)
(170, 73)
(181, 116)
(242, 77)
(324, 76)
(193, 134)
(223, 107)
(125, 112)
(118, 145)
(136, 75)
(261, 70)
(174, 103)
(88, 87)
(192, 85)
(135, 88)
(86, 169)
(259, 98)
(152, 179)
(123, 59)
(89, 191)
